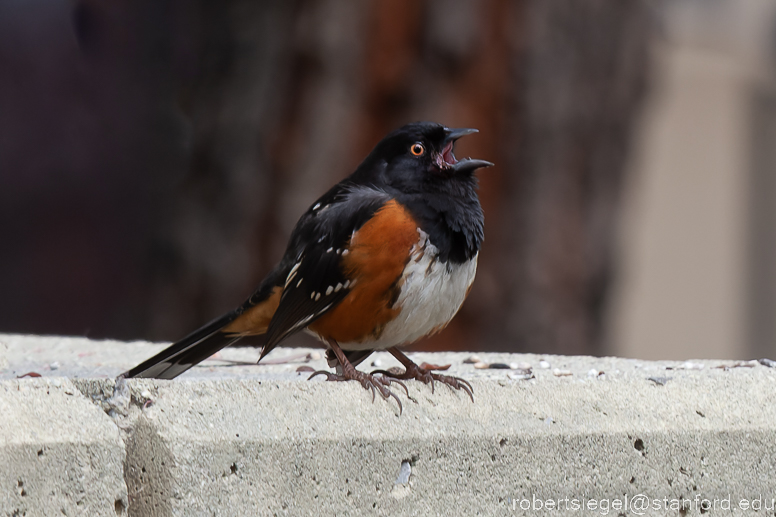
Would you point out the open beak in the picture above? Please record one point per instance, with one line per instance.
(446, 159)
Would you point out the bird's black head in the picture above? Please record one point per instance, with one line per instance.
(416, 165)
(417, 157)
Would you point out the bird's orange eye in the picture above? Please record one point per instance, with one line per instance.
(417, 149)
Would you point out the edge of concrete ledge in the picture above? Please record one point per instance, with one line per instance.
(3, 356)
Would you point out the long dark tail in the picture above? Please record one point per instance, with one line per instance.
(252, 317)
(183, 354)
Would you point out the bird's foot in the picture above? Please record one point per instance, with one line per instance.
(425, 375)
(368, 381)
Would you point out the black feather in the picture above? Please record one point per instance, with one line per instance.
(182, 355)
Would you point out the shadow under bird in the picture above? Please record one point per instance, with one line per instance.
(384, 258)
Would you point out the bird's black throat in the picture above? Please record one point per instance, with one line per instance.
(450, 213)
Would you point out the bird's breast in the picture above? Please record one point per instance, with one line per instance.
(431, 293)
(428, 295)
(399, 289)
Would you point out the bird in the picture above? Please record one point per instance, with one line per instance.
(385, 257)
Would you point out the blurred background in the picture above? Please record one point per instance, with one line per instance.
(155, 155)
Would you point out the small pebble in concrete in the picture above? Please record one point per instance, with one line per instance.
(474, 359)
(521, 375)
(557, 372)
(660, 381)
(503, 366)
(428, 366)
(544, 364)
(687, 365)
(738, 364)
(770, 363)
(404, 473)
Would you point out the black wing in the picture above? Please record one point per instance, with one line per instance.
(309, 267)
(317, 281)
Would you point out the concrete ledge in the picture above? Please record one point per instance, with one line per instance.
(59, 454)
(261, 440)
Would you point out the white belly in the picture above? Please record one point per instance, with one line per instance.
(431, 294)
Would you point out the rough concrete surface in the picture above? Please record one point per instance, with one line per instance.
(59, 454)
(3, 353)
(593, 435)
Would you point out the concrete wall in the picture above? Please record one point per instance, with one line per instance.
(610, 435)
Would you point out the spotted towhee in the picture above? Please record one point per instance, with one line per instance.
(385, 257)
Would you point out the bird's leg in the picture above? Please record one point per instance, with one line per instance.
(368, 381)
(355, 357)
(425, 375)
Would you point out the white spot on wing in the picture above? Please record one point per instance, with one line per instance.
(303, 321)
(292, 274)
(329, 290)
(317, 296)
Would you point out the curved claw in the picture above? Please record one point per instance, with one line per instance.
(406, 391)
(455, 382)
(368, 382)
(459, 384)
(466, 383)
(385, 392)
(371, 387)
(329, 376)
(387, 379)
(392, 394)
